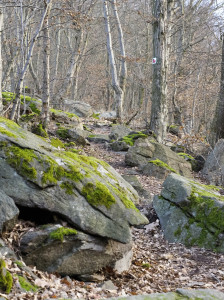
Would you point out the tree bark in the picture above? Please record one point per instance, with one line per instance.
(119, 95)
(1, 28)
(159, 109)
(46, 70)
(218, 124)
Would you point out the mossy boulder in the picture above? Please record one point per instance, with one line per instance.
(191, 213)
(86, 192)
(155, 159)
(67, 251)
(6, 280)
(119, 131)
(82, 109)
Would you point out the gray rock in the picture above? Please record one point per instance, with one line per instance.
(78, 136)
(108, 115)
(86, 192)
(8, 212)
(118, 132)
(98, 138)
(119, 146)
(213, 169)
(200, 294)
(145, 152)
(108, 286)
(6, 251)
(191, 213)
(82, 109)
(133, 180)
(66, 118)
(76, 254)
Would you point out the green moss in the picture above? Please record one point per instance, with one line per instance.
(163, 165)
(58, 111)
(68, 187)
(63, 133)
(26, 285)
(177, 233)
(38, 130)
(123, 196)
(95, 116)
(6, 280)
(28, 117)
(130, 138)
(55, 142)
(20, 159)
(85, 127)
(98, 194)
(19, 263)
(146, 265)
(34, 108)
(59, 233)
(10, 124)
(6, 132)
(185, 156)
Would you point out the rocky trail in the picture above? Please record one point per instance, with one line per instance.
(157, 266)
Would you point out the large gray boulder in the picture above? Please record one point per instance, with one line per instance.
(82, 109)
(199, 294)
(191, 213)
(8, 212)
(57, 249)
(213, 169)
(119, 131)
(84, 191)
(156, 159)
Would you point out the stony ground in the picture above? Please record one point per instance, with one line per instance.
(157, 265)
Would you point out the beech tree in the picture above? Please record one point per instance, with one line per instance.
(162, 10)
(118, 85)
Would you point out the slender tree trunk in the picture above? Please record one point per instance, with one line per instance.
(35, 77)
(1, 28)
(123, 73)
(58, 45)
(22, 72)
(46, 70)
(159, 109)
(218, 124)
(119, 95)
(71, 71)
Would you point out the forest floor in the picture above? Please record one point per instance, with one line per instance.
(157, 266)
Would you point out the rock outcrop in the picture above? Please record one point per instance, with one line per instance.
(82, 109)
(74, 253)
(83, 191)
(155, 159)
(191, 213)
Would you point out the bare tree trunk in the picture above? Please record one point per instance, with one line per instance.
(35, 78)
(123, 73)
(46, 70)
(1, 28)
(159, 109)
(119, 95)
(218, 124)
(58, 45)
(71, 71)
(22, 72)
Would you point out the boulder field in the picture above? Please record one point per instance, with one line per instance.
(39, 180)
